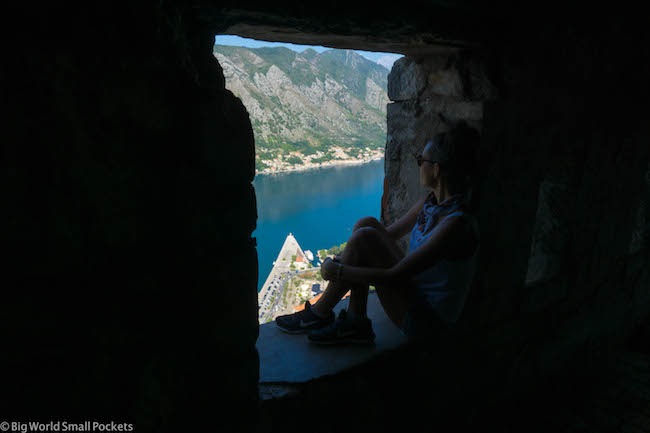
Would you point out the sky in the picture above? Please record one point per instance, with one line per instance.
(385, 59)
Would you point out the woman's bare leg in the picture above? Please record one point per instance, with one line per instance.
(369, 245)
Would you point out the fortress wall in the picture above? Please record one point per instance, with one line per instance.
(562, 194)
(130, 288)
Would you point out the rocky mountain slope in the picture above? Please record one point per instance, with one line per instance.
(308, 102)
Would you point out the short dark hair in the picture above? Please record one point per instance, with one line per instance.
(456, 151)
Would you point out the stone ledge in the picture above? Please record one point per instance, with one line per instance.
(288, 360)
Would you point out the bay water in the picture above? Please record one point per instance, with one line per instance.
(318, 207)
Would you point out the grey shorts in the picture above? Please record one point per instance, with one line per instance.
(422, 321)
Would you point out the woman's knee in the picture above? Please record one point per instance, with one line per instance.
(359, 241)
(372, 247)
(366, 222)
(363, 235)
(366, 241)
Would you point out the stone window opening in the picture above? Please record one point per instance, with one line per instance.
(426, 91)
(287, 360)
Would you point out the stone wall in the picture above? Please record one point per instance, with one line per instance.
(562, 193)
(453, 85)
(129, 290)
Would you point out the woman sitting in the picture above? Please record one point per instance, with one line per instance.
(423, 292)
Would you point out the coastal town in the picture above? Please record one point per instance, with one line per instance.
(296, 161)
(292, 281)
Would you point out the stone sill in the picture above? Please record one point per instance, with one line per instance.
(286, 360)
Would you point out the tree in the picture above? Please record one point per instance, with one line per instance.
(337, 249)
(294, 160)
(259, 165)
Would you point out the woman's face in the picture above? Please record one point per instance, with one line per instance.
(429, 169)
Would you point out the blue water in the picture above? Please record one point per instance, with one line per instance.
(319, 207)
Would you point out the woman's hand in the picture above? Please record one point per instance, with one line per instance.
(329, 269)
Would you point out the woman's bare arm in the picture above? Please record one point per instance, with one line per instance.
(449, 233)
(405, 224)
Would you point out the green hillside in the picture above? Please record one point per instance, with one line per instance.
(308, 102)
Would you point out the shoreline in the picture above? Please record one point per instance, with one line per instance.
(321, 165)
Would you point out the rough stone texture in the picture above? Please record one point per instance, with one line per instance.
(409, 28)
(128, 291)
(423, 89)
(561, 196)
(609, 395)
(406, 80)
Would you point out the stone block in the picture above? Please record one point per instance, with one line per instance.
(406, 80)
(445, 82)
(459, 76)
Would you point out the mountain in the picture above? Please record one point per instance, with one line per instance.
(308, 102)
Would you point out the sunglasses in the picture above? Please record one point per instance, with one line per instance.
(420, 160)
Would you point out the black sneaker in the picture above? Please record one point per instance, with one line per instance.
(303, 321)
(345, 330)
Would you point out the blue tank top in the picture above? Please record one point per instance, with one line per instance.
(444, 286)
